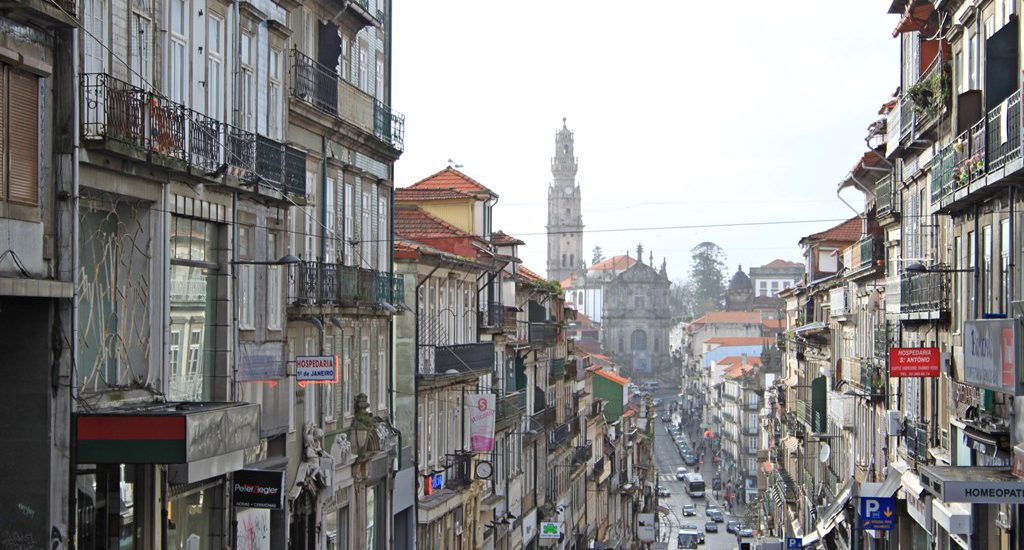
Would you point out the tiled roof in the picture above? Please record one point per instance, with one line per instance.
(736, 360)
(739, 341)
(728, 317)
(774, 323)
(410, 194)
(450, 178)
(503, 239)
(412, 222)
(848, 231)
(615, 262)
(781, 263)
(608, 375)
(529, 274)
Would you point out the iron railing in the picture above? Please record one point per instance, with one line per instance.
(582, 453)
(493, 316)
(978, 168)
(314, 83)
(870, 251)
(1004, 137)
(328, 283)
(915, 439)
(924, 292)
(113, 110)
(884, 196)
(906, 117)
(388, 125)
(557, 368)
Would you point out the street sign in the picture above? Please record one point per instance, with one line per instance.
(794, 542)
(878, 513)
(913, 362)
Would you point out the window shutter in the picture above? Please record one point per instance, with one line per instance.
(23, 120)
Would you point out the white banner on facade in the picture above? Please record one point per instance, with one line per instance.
(481, 422)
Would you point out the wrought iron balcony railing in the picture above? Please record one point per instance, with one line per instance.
(314, 83)
(323, 283)
(136, 122)
(915, 439)
(1004, 137)
(388, 125)
(924, 292)
(493, 316)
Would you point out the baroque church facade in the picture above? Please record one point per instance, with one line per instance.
(625, 297)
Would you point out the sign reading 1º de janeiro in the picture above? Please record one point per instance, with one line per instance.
(316, 370)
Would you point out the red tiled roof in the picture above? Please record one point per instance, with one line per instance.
(848, 231)
(503, 239)
(615, 262)
(410, 194)
(608, 375)
(774, 323)
(736, 360)
(739, 341)
(782, 263)
(728, 317)
(412, 222)
(529, 274)
(450, 178)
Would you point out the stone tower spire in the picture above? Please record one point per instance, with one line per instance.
(565, 218)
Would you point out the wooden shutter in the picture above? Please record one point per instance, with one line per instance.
(23, 127)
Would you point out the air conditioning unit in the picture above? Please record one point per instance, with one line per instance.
(893, 425)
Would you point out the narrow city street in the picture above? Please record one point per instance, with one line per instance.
(667, 459)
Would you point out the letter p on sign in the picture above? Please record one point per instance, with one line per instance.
(871, 508)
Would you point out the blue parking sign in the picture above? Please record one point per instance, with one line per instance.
(794, 543)
(878, 513)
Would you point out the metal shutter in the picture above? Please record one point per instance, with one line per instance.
(23, 121)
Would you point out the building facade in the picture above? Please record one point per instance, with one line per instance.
(565, 215)
(637, 321)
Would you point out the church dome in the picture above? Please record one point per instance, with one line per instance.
(740, 282)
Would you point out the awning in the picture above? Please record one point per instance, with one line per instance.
(790, 443)
(916, 18)
(954, 517)
(204, 439)
(980, 441)
(887, 488)
(973, 484)
(911, 484)
(834, 513)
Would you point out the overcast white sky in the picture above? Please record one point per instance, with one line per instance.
(685, 112)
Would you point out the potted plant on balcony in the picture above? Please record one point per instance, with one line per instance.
(933, 93)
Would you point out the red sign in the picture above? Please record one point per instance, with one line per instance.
(913, 362)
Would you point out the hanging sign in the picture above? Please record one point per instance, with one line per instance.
(481, 422)
(316, 370)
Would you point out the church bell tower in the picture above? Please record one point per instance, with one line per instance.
(565, 220)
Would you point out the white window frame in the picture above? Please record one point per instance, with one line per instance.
(95, 20)
(178, 53)
(382, 372)
(275, 97)
(345, 59)
(330, 222)
(247, 83)
(378, 86)
(174, 355)
(215, 48)
(349, 222)
(365, 227)
(328, 409)
(364, 366)
(347, 378)
(364, 62)
(246, 297)
(382, 232)
(311, 408)
(275, 278)
(141, 54)
(195, 345)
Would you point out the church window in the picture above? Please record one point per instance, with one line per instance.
(656, 346)
(572, 260)
(563, 260)
(621, 347)
(638, 340)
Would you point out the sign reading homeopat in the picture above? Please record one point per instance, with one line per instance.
(316, 370)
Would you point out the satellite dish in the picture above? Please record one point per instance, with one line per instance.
(824, 452)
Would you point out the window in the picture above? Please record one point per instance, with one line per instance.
(972, 251)
(247, 297)
(327, 407)
(330, 222)
(378, 89)
(19, 136)
(958, 289)
(309, 233)
(364, 232)
(986, 291)
(762, 288)
(140, 53)
(382, 372)
(382, 233)
(275, 285)
(215, 91)
(345, 59)
(192, 300)
(349, 214)
(972, 61)
(346, 377)
(371, 518)
(364, 366)
(177, 75)
(274, 96)
(364, 81)
(1004, 268)
(247, 84)
(94, 19)
(638, 341)
(174, 355)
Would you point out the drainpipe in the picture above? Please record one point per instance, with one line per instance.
(72, 380)
(323, 197)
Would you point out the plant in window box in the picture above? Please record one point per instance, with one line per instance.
(932, 94)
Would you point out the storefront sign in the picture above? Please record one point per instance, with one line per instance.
(991, 354)
(919, 508)
(646, 529)
(481, 422)
(819, 405)
(316, 370)
(258, 489)
(878, 513)
(981, 492)
(550, 530)
(914, 362)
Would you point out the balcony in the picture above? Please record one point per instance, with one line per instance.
(458, 359)
(563, 433)
(321, 283)
(314, 83)
(388, 125)
(884, 198)
(132, 122)
(924, 295)
(751, 404)
(1004, 133)
(48, 14)
(542, 334)
(509, 320)
(508, 410)
(545, 418)
(915, 440)
(492, 317)
(557, 371)
(582, 453)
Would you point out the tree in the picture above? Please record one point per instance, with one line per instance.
(598, 255)
(707, 278)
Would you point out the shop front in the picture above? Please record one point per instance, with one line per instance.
(156, 475)
(984, 497)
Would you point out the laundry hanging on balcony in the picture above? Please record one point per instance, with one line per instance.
(919, 17)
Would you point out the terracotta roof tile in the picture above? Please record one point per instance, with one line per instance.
(616, 262)
(739, 341)
(450, 178)
(412, 222)
(410, 194)
(529, 274)
(848, 231)
(608, 375)
(503, 239)
(782, 263)
(774, 323)
(729, 317)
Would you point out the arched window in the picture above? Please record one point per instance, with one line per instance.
(572, 260)
(638, 341)
(621, 347)
(656, 346)
(563, 260)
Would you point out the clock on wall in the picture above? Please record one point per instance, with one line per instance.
(567, 191)
(484, 470)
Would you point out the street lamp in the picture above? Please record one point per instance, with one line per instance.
(287, 259)
(918, 267)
